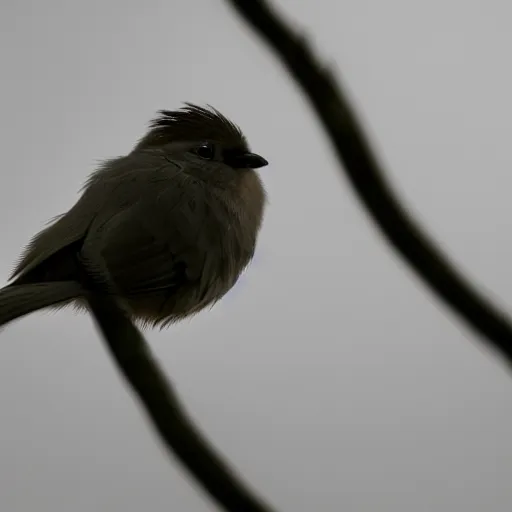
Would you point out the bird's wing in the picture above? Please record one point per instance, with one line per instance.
(63, 231)
(139, 259)
(156, 244)
(116, 186)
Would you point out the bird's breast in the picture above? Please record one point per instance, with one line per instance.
(231, 248)
(227, 243)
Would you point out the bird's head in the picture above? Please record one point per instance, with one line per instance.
(201, 135)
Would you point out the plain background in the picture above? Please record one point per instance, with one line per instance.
(329, 377)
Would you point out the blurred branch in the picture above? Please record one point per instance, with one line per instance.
(142, 372)
(366, 175)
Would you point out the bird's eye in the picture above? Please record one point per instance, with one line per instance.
(206, 151)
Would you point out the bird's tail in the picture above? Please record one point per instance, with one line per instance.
(20, 300)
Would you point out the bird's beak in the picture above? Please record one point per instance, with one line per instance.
(246, 161)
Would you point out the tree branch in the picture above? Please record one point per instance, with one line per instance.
(367, 178)
(148, 382)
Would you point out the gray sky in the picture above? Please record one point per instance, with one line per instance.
(319, 407)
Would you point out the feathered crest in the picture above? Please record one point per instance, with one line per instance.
(193, 122)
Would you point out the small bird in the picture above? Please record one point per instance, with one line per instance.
(175, 222)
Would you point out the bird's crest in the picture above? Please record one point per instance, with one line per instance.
(191, 123)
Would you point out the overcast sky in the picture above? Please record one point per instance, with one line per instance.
(329, 377)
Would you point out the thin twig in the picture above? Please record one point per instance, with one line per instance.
(365, 173)
(148, 382)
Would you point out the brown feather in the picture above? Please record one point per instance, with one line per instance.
(175, 232)
(193, 123)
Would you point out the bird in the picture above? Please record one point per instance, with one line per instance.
(175, 222)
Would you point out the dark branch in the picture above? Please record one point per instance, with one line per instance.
(366, 175)
(148, 382)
